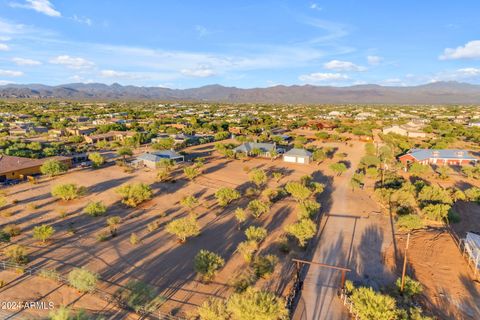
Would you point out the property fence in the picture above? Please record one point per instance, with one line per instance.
(461, 245)
(348, 304)
(105, 296)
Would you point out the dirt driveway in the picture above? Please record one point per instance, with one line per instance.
(352, 234)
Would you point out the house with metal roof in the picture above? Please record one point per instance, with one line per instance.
(264, 149)
(296, 155)
(151, 159)
(438, 157)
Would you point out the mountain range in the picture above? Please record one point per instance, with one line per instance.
(433, 93)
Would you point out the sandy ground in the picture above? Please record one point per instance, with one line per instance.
(435, 261)
(159, 259)
(353, 234)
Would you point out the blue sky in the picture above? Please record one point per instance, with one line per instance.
(182, 44)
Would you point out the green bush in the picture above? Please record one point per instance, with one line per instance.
(82, 279)
(308, 209)
(303, 230)
(226, 195)
(207, 263)
(16, 253)
(139, 296)
(257, 234)
(95, 209)
(257, 208)
(411, 287)
(247, 249)
(43, 232)
(369, 304)
(409, 222)
(213, 309)
(262, 304)
(264, 266)
(134, 194)
(68, 191)
(183, 228)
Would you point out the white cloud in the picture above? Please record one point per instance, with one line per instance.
(200, 72)
(72, 62)
(42, 6)
(374, 60)
(471, 50)
(120, 74)
(5, 82)
(469, 72)
(84, 20)
(315, 6)
(394, 82)
(319, 77)
(339, 65)
(201, 30)
(26, 62)
(10, 73)
(4, 47)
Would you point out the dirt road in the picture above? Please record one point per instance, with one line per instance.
(353, 235)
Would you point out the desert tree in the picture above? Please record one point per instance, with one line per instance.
(338, 168)
(262, 304)
(43, 232)
(53, 167)
(258, 208)
(303, 230)
(298, 191)
(67, 191)
(240, 216)
(95, 209)
(97, 159)
(257, 234)
(16, 253)
(113, 223)
(207, 263)
(213, 309)
(189, 202)
(183, 228)
(226, 195)
(134, 194)
(191, 172)
(258, 177)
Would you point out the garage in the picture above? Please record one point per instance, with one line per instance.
(295, 155)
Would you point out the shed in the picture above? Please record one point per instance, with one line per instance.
(297, 156)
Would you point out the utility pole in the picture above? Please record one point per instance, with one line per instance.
(405, 263)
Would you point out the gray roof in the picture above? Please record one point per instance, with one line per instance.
(249, 146)
(158, 155)
(298, 153)
(424, 154)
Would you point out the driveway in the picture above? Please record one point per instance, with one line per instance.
(352, 234)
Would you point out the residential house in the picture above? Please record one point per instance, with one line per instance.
(264, 149)
(151, 159)
(438, 157)
(411, 130)
(12, 168)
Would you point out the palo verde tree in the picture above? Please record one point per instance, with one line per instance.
(262, 304)
(134, 194)
(299, 191)
(258, 177)
(338, 168)
(226, 195)
(43, 232)
(257, 208)
(191, 172)
(257, 234)
(67, 191)
(53, 167)
(95, 209)
(240, 216)
(124, 152)
(303, 230)
(97, 159)
(184, 228)
(207, 263)
(189, 202)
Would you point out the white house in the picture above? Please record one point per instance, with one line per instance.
(297, 156)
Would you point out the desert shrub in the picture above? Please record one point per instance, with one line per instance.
(49, 274)
(409, 222)
(12, 230)
(411, 287)
(82, 279)
(183, 228)
(283, 244)
(257, 208)
(4, 236)
(262, 304)
(97, 159)
(244, 280)
(303, 230)
(64, 313)
(43, 232)
(226, 195)
(103, 236)
(154, 225)
(113, 223)
(338, 168)
(95, 209)
(473, 194)
(308, 209)
(257, 234)
(418, 169)
(247, 249)
(189, 202)
(369, 304)
(68, 191)
(277, 176)
(251, 192)
(213, 309)
(16, 253)
(258, 177)
(134, 194)
(207, 263)
(299, 191)
(264, 266)
(134, 240)
(191, 172)
(53, 167)
(436, 212)
(139, 296)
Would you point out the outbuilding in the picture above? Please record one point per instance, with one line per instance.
(150, 160)
(298, 156)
